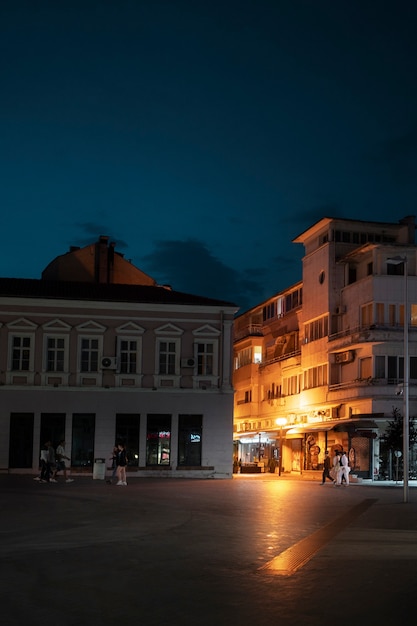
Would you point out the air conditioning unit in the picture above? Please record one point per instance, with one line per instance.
(344, 357)
(340, 309)
(188, 362)
(108, 363)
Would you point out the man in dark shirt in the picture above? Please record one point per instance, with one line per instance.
(326, 468)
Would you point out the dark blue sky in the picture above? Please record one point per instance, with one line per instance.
(202, 136)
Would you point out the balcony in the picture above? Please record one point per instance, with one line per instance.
(367, 334)
(282, 357)
(252, 330)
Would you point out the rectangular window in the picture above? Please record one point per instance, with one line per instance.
(291, 385)
(365, 366)
(269, 311)
(83, 430)
(190, 434)
(401, 315)
(167, 357)
(392, 314)
(243, 357)
(379, 367)
(392, 368)
(379, 313)
(413, 314)
(158, 439)
(317, 329)
(55, 354)
(21, 353)
(401, 368)
(315, 377)
(127, 430)
(295, 299)
(89, 354)
(128, 356)
(352, 275)
(257, 354)
(413, 367)
(205, 359)
(366, 315)
(280, 307)
(395, 269)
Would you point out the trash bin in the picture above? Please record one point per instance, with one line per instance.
(99, 469)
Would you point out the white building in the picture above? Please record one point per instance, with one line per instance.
(326, 355)
(96, 351)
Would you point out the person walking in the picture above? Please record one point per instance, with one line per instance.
(336, 467)
(52, 463)
(44, 458)
(113, 459)
(344, 469)
(61, 456)
(326, 468)
(121, 462)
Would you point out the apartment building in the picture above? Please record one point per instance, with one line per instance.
(97, 351)
(320, 365)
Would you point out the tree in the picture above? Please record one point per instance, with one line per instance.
(394, 433)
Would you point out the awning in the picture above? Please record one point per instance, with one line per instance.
(358, 426)
(364, 424)
(362, 428)
(347, 425)
(307, 428)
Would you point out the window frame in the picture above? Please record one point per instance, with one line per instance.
(22, 349)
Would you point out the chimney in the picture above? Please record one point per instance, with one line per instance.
(101, 260)
(410, 222)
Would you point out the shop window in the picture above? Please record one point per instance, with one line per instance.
(52, 429)
(21, 440)
(190, 434)
(158, 439)
(83, 430)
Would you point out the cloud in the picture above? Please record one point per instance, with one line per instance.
(189, 266)
(93, 230)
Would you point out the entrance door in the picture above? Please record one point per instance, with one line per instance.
(360, 456)
(52, 428)
(21, 440)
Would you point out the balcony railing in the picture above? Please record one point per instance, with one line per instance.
(368, 332)
(250, 330)
(282, 357)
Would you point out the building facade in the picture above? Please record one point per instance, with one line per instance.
(320, 365)
(96, 351)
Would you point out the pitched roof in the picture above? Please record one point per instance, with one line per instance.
(66, 290)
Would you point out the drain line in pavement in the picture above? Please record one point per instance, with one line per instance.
(289, 561)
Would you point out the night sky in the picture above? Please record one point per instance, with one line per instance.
(202, 136)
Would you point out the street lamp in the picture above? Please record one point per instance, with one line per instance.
(280, 421)
(397, 260)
